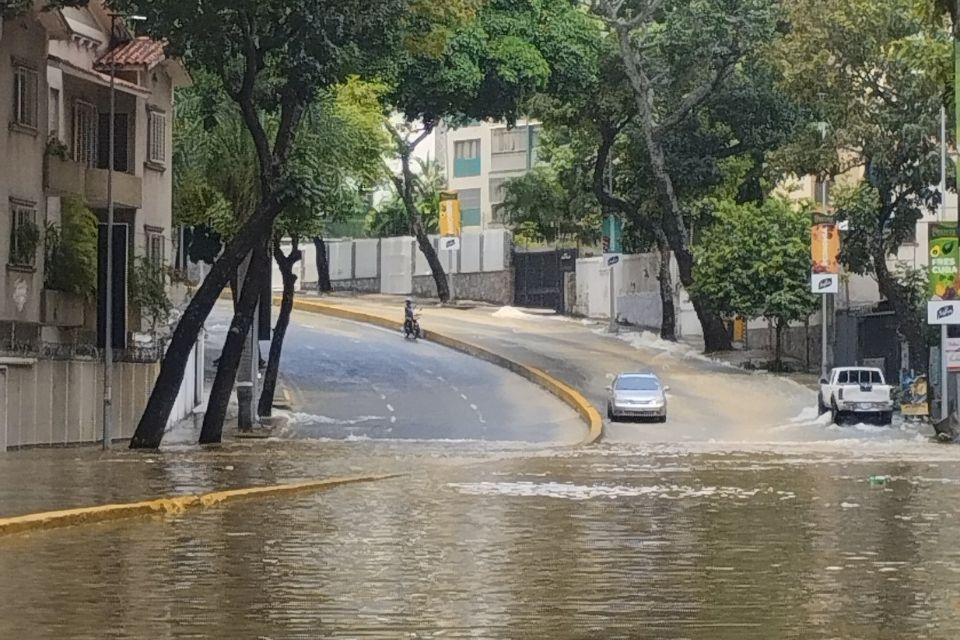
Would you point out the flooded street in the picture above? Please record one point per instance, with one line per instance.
(503, 540)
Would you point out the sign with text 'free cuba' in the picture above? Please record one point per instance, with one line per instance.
(943, 262)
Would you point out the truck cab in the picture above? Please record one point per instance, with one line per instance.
(859, 393)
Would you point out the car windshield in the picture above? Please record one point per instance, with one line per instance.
(860, 376)
(637, 383)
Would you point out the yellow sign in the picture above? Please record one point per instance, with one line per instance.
(825, 248)
(449, 214)
(739, 329)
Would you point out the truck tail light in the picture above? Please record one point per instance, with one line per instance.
(840, 394)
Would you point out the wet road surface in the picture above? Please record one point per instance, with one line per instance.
(746, 516)
(351, 380)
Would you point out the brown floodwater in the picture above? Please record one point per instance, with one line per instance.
(496, 540)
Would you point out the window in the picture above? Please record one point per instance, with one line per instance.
(158, 137)
(85, 134)
(822, 188)
(24, 234)
(25, 96)
(469, 207)
(466, 158)
(498, 193)
(638, 383)
(156, 247)
(510, 140)
(55, 113)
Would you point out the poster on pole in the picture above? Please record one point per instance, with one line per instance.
(943, 277)
(612, 235)
(449, 214)
(824, 246)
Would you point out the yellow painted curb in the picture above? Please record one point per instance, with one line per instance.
(570, 396)
(166, 506)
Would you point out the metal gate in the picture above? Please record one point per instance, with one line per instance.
(538, 277)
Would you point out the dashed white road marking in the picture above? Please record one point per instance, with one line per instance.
(390, 408)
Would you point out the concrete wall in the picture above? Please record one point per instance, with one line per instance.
(397, 266)
(637, 289)
(494, 287)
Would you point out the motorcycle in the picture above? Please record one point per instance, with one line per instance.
(411, 328)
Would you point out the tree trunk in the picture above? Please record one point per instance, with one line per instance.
(715, 336)
(323, 266)
(909, 322)
(212, 430)
(778, 349)
(668, 321)
(404, 186)
(283, 321)
(152, 423)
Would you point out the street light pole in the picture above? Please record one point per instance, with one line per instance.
(108, 288)
(108, 280)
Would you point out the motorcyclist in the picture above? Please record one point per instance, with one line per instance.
(409, 317)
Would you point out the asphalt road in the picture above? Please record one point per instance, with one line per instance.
(350, 380)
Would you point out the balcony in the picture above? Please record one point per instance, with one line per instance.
(63, 177)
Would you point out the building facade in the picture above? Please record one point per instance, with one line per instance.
(55, 68)
(479, 159)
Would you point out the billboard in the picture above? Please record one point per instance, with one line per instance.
(824, 245)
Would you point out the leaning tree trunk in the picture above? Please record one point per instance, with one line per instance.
(152, 423)
(715, 336)
(285, 263)
(323, 266)
(405, 188)
(212, 430)
(668, 321)
(909, 322)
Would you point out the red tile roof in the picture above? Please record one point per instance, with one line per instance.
(137, 52)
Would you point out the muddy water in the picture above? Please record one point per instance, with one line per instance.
(704, 540)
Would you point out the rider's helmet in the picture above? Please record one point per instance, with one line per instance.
(409, 301)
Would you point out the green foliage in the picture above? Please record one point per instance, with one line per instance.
(757, 261)
(70, 250)
(390, 217)
(25, 239)
(553, 203)
(148, 291)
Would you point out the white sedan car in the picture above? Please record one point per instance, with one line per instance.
(637, 395)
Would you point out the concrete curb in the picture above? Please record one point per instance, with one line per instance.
(166, 506)
(567, 394)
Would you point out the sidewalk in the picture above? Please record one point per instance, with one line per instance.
(709, 398)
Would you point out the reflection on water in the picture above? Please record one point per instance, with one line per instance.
(501, 541)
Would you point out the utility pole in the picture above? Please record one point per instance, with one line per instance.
(108, 289)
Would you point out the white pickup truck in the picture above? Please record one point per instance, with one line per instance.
(860, 393)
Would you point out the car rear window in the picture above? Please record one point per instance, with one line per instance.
(637, 383)
(859, 376)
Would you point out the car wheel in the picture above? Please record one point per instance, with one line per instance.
(821, 408)
(886, 418)
(835, 415)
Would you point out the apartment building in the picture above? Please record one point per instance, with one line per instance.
(479, 159)
(55, 68)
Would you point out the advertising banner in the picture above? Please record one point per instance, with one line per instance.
(913, 395)
(952, 353)
(612, 234)
(824, 245)
(449, 214)
(944, 262)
